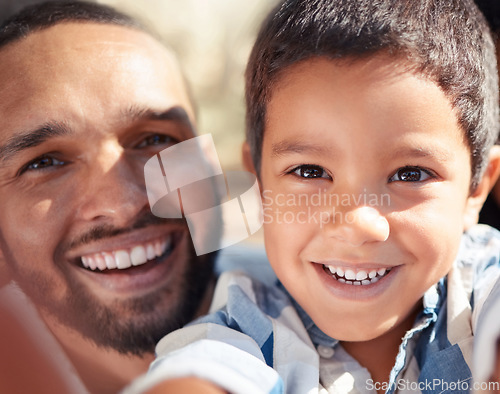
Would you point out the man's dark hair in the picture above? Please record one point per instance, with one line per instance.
(448, 42)
(40, 16)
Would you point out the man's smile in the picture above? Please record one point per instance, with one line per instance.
(126, 258)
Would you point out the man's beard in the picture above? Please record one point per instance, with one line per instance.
(131, 326)
(149, 318)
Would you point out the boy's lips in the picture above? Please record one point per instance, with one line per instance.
(355, 276)
(358, 280)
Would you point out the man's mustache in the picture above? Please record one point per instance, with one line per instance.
(100, 232)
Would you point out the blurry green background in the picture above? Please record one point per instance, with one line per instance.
(212, 39)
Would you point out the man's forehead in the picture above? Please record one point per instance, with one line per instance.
(56, 69)
(89, 40)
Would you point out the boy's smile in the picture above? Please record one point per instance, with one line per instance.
(350, 129)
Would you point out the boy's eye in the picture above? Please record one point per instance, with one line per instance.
(410, 174)
(42, 163)
(156, 139)
(310, 171)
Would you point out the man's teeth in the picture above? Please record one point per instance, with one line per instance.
(357, 278)
(121, 259)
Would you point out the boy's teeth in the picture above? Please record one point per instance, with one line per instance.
(361, 275)
(122, 259)
(349, 274)
(358, 278)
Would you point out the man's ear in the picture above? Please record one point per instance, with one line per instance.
(478, 197)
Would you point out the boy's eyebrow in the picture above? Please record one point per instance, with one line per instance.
(418, 152)
(287, 147)
(31, 139)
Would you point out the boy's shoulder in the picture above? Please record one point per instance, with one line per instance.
(472, 285)
(479, 265)
(480, 247)
(246, 304)
(478, 262)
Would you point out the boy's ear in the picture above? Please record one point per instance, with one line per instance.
(248, 163)
(247, 158)
(478, 197)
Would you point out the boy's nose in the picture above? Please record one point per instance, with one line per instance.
(113, 189)
(358, 225)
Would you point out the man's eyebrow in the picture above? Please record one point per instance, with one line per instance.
(177, 113)
(31, 139)
(289, 147)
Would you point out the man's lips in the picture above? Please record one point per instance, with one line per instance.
(125, 279)
(125, 258)
(126, 250)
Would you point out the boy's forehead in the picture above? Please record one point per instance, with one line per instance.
(383, 89)
(353, 77)
(380, 68)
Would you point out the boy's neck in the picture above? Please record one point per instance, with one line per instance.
(378, 355)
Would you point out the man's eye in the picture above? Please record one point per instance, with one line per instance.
(41, 163)
(310, 171)
(410, 174)
(156, 139)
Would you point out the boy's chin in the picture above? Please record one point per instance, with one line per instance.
(359, 334)
(361, 324)
(372, 327)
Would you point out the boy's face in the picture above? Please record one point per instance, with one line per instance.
(365, 173)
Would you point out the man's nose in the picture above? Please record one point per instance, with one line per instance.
(113, 188)
(357, 225)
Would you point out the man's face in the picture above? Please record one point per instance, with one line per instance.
(366, 178)
(83, 107)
